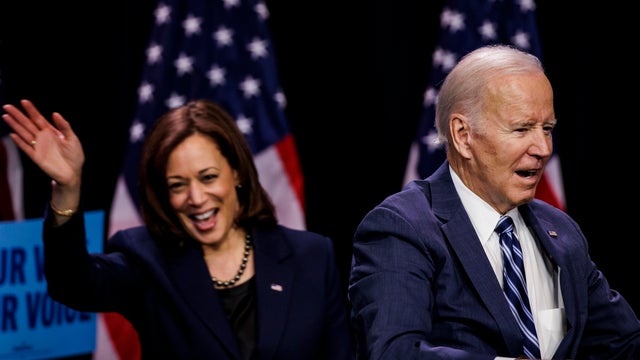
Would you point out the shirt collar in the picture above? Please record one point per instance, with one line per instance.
(483, 217)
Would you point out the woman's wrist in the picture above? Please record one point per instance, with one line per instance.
(62, 212)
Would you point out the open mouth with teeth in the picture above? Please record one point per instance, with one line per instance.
(205, 220)
(204, 216)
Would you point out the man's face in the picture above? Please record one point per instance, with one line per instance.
(513, 143)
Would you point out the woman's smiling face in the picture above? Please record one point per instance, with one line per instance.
(202, 189)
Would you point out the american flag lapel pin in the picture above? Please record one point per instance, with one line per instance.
(552, 233)
(276, 287)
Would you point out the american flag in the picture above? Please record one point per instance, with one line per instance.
(220, 50)
(464, 26)
(11, 204)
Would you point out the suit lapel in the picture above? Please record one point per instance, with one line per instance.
(467, 248)
(274, 285)
(551, 240)
(191, 277)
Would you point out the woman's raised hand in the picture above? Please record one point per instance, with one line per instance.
(54, 147)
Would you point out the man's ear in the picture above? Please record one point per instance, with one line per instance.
(460, 134)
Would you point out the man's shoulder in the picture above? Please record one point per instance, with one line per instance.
(540, 206)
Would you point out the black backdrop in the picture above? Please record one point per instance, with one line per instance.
(354, 79)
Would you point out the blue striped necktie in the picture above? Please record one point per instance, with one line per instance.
(515, 285)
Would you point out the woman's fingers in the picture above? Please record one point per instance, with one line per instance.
(62, 128)
(23, 128)
(27, 123)
(34, 115)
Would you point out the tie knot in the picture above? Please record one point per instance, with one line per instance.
(504, 225)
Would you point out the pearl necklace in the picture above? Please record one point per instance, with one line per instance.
(245, 259)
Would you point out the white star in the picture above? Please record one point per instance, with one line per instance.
(136, 131)
(443, 58)
(145, 92)
(487, 30)
(527, 5)
(430, 97)
(244, 124)
(280, 99)
(250, 87)
(521, 40)
(174, 101)
(223, 36)
(183, 64)
(154, 54)
(230, 3)
(162, 14)
(452, 19)
(257, 48)
(261, 10)
(191, 25)
(438, 55)
(216, 75)
(431, 140)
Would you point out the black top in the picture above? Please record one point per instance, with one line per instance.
(239, 304)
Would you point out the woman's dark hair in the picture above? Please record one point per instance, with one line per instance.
(171, 129)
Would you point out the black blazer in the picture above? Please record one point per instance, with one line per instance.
(171, 302)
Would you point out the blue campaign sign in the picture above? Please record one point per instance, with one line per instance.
(32, 325)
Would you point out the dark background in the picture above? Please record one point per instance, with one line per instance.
(354, 79)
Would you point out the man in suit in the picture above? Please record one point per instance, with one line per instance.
(427, 278)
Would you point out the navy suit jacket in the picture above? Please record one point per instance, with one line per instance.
(171, 301)
(421, 286)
